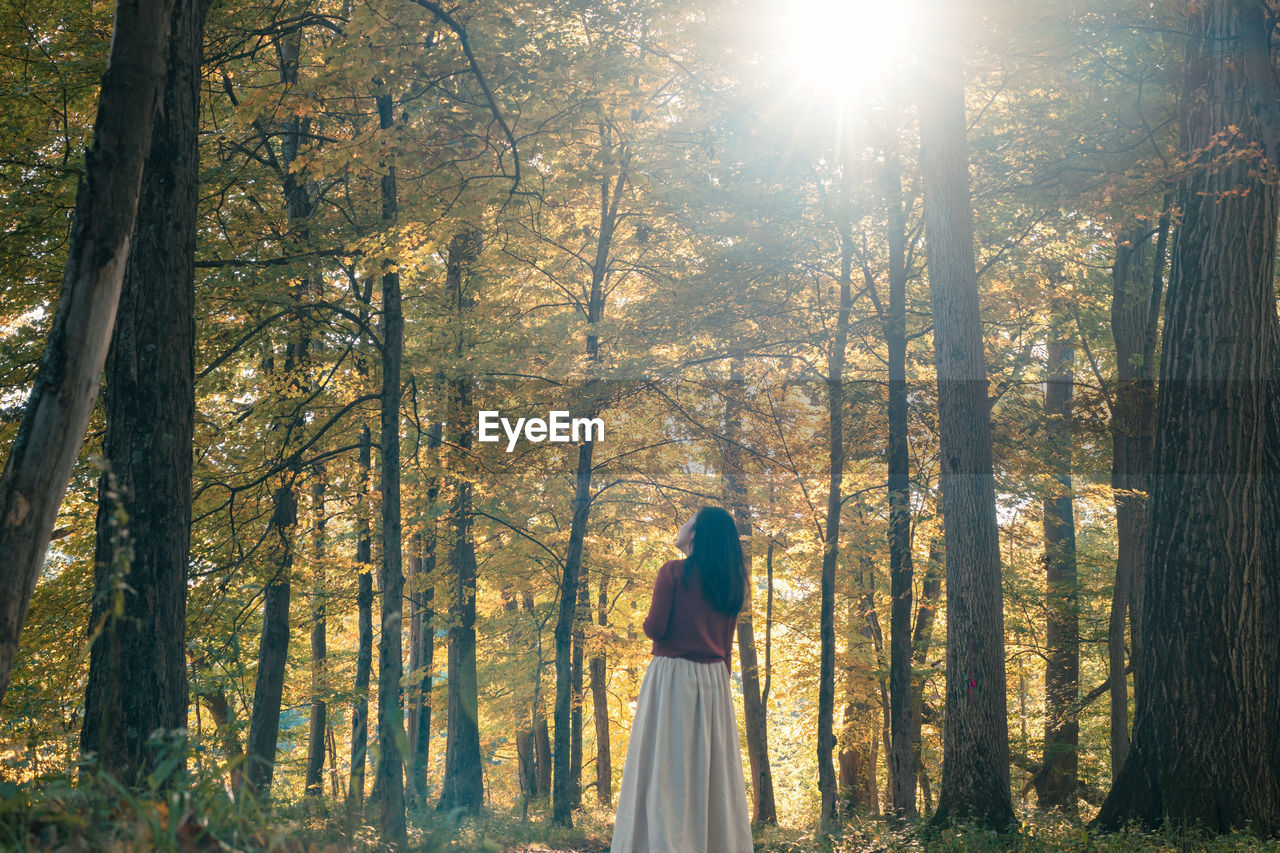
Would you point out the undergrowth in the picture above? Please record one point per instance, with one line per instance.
(100, 815)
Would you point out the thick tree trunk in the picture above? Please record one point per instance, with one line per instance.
(57, 412)
(364, 647)
(1206, 741)
(389, 771)
(975, 767)
(264, 723)
(902, 770)
(137, 663)
(1135, 311)
(314, 782)
(1056, 781)
(463, 787)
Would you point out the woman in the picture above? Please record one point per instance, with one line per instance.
(682, 786)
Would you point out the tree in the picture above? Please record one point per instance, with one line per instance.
(975, 765)
(138, 666)
(66, 386)
(1057, 779)
(1206, 740)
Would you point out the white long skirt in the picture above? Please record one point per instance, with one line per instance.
(682, 786)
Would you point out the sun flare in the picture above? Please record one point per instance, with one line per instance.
(847, 48)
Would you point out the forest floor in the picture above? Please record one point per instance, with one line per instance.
(62, 818)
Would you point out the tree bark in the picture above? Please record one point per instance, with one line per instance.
(364, 648)
(424, 592)
(360, 708)
(583, 609)
(921, 642)
(611, 189)
(463, 787)
(273, 653)
(56, 414)
(137, 663)
(975, 766)
(831, 537)
(1206, 740)
(600, 703)
(389, 771)
(764, 807)
(902, 766)
(314, 781)
(1135, 311)
(1056, 781)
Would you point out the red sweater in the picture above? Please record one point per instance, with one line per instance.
(683, 624)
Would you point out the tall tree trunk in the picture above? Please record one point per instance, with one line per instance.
(389, 771)
(975, 767)
(463, 786)
(611, 189)
(1056, 781)
(600, 703)
(314, 783)
(902, 770)
(56, 414)
(764, 808)
(1206, 740)
(542, 758)
(424, 647)
(1135, 311)
(921, 642)
(273, 652)
(583, 609)
(364, 647)
(831, 538)
(137, 663)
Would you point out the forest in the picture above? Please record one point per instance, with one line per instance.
(395, 340)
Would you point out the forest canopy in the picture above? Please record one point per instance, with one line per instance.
(361, 359)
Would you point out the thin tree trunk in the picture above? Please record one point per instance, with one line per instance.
(764, 807)
(425, 646)
(314, 783)
(975, 767)
(56, 414)
(364, 649)
(1135, 310)
(921, 641)
(831, 538)
(1206, 740)
(583, 609)
(137, 665)
(611, 189)
(600, 703)
(901, 751)
(389, 772)
(463, 786)
(1059, 769)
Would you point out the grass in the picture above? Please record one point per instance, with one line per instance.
(57, 815)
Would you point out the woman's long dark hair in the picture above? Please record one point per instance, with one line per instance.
(717, 557)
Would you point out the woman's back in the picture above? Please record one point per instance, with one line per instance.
(682, 622)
